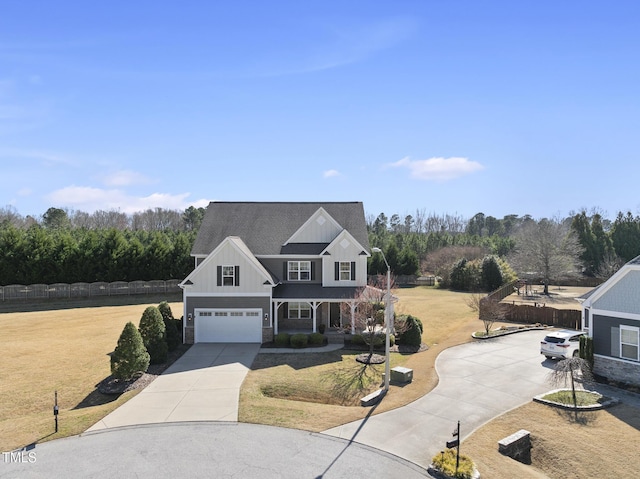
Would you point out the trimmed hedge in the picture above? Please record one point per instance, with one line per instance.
(299, 340)
(316, 339)
(282, 340)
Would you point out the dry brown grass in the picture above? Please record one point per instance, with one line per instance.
(599, 444)
(63, 350)
(68, 350)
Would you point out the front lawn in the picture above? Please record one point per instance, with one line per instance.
(319, 391)
(64, 350)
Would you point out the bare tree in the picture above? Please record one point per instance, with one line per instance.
(9, 215)
(609, 265)
(573, 369)
(489, 310)
(368, 319)
(547, 249)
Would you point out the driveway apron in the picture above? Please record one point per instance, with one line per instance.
(202, 385)
(477, 382)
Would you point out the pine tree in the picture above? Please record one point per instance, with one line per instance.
(130, 356)
(154, 334)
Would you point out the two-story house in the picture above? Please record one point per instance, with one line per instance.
(611, 316)
(261, 268)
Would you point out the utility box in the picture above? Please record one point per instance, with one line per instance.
(401, 374)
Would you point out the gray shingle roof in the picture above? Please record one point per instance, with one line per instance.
(264, 227)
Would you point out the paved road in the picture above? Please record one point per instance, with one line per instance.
(208, 450)
(478, 381)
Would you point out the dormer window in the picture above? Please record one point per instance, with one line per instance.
(299, 271)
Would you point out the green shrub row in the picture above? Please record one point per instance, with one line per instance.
(298, 340)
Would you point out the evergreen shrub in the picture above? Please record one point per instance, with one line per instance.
(153, 334)
(130, 356)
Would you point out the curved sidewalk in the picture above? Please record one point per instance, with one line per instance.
(478, 381)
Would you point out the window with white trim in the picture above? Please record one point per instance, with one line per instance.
(629, 342)
(228, 275)
(345, 270)
(299, 311)
(299, 270)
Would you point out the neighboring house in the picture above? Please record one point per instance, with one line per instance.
(611, 316)
(261, 268)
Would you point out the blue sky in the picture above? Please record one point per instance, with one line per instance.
(459, 107)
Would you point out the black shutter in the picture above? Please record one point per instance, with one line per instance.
(337, 270)
(313, 271)
(219, 275)
(285, 272)
(353, 271)
(237, 275)
(285, 311)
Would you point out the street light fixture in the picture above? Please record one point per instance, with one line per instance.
(387, 319)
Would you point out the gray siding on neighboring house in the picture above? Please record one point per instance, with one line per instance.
(623, 296)
(606, 334)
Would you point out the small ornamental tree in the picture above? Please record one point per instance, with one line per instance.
(130, 357)
(411, 330)
(170, 326)
(153, 334)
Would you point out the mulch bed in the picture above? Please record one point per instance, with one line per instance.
(113, 386)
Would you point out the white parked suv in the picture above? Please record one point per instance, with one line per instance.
(561, 344)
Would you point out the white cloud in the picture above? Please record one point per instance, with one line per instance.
(438, 169)
(125, 178)
(331, 174)
(89, 199)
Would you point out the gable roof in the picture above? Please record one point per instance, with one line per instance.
(266, 227)
(239, 245)
(629, 273)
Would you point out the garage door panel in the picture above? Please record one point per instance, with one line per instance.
(231, 326)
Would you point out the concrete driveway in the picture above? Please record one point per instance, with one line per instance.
(478, 381)
(203, 385)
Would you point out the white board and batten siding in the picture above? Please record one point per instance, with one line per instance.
(344, 250)
(205, 279)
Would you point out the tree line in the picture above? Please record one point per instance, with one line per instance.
(583, 243)
(74, 246)
(64, 247)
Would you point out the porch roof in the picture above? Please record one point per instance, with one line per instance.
(314, 291)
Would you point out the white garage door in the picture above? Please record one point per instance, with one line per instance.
(228, 326)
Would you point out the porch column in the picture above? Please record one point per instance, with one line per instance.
(353, 317)
(277, 305)
(314, 307)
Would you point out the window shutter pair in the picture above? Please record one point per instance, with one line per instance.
(236, 275)
(337, 271)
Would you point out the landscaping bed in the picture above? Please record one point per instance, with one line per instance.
(113, 386)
